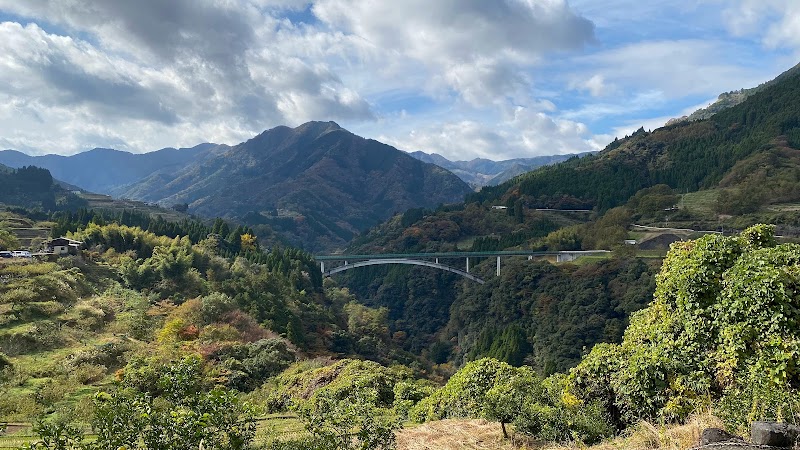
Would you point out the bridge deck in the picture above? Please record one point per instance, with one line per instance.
(445, 255)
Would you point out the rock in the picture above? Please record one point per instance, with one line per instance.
(714, 435)
(774, 433)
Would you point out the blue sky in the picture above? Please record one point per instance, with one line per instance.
(463, 78)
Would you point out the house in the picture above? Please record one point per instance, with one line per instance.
(63, 246)
(499, 207)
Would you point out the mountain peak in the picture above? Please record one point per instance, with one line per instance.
(317, 184)
(318, 128)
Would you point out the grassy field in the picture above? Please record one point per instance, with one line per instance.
(483, 435)
(701, 203)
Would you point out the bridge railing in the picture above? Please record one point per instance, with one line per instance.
(445, 255)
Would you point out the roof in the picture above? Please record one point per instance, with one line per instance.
(62, 240)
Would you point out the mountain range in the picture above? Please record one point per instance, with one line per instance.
(481, 172)
(102, 170)
(318, 184)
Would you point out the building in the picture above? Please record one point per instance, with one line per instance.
(63, 246)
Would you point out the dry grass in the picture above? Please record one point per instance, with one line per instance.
(458, 435)
(483, 435)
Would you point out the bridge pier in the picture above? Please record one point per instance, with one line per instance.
(322, 266)
(498, 266)
(566, 257)
(467, 264)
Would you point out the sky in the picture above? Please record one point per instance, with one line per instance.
(494, 79)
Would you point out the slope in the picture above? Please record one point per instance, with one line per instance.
(730, 99)
(687, 156)
(318, 183)
(747, 154)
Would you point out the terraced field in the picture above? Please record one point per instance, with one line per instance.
(100, 201)
(30, 234)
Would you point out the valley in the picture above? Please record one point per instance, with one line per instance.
(194, 311)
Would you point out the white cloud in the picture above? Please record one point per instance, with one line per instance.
(775, 22)
(673, 67)
(524, 132)
(464, 78)
(478, 49)
(158, 74)
(596, 85)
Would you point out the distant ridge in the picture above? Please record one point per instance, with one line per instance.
(104, 170)
(481, 172)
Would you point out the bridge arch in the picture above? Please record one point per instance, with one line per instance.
(415, 262)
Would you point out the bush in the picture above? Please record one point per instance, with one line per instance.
(494, 390)
(170, 407)
(722, 326)
(353, 422)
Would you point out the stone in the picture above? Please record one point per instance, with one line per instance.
(714, 435)
(775, 434)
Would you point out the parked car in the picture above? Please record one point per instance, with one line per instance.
(21, 254)
(4, 254)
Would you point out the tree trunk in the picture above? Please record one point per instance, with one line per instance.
(505, 433)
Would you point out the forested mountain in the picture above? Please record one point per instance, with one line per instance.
(763, 132)
(318, 184)
(34, 187)
(480, 172)
(105, 170)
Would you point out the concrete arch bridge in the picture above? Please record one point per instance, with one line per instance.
(340, 263)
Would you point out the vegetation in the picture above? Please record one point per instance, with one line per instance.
(178, 332)
(720, 332)
(68, 325)
(497, 391)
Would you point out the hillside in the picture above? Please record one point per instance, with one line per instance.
(152, 339)
(318, 184)
(729, 99)
(688, 157)
(103, 170)
(481, 172)
(34, 188)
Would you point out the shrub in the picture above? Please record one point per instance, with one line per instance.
(169, 407)
(722, 325)
(353, 422)
(494, 390)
